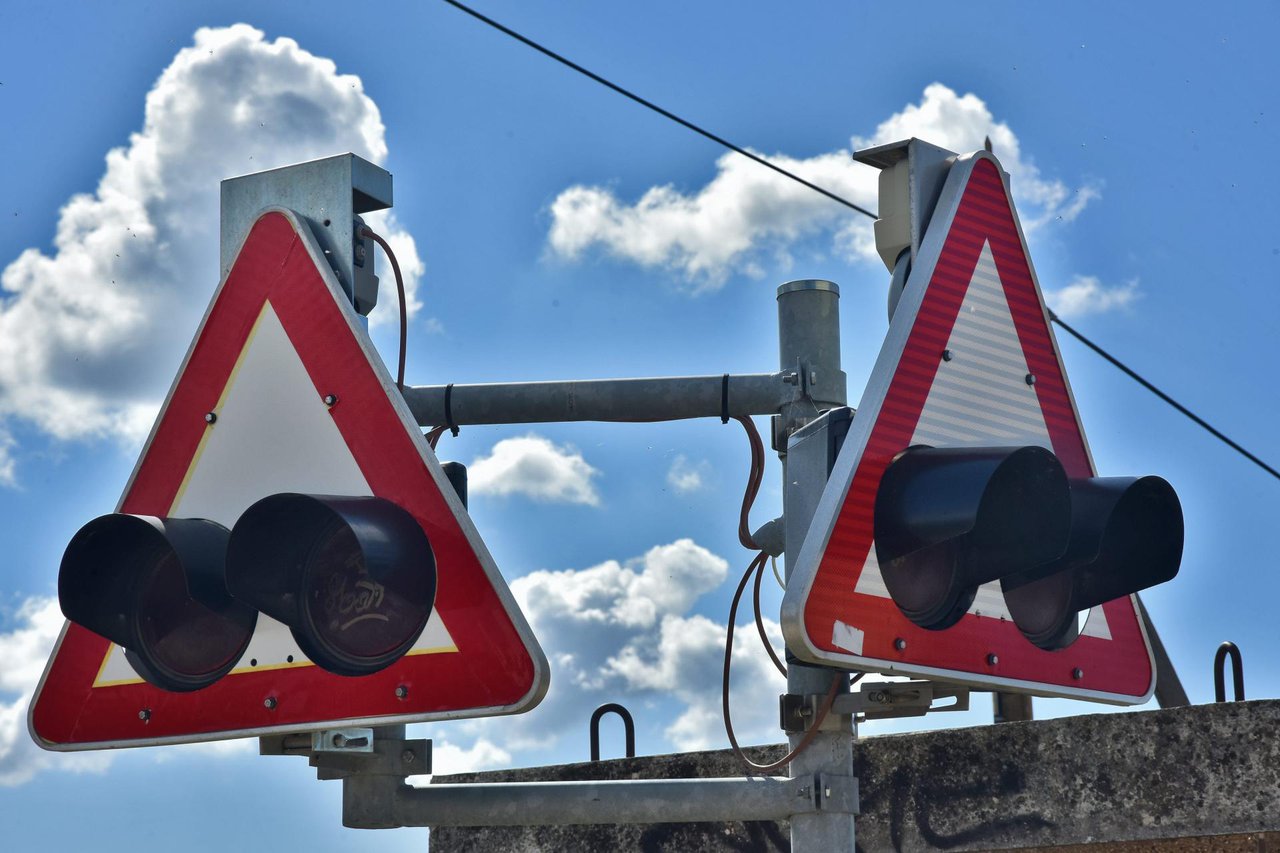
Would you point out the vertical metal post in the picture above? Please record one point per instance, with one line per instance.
(809, 343)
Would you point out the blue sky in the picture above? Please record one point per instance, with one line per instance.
(558, 231)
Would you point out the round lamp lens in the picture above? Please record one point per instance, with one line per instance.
(364, 618)
(188, 645)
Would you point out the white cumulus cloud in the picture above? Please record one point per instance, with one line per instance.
(748, 211)
(686, 660)
(449, 758)
(23, 653)
(92, 333)
(685, 476)
(535, 467)
(626, 631)
(1085, 294)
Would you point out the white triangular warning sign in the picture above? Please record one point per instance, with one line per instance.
(969, 360)
(282, 392)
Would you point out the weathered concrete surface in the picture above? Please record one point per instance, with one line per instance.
(1184, 773)
(1261, 842)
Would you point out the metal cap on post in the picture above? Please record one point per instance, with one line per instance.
(329, 194)
(808, 353)
(911, 178)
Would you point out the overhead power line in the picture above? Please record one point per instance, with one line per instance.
(626, 93)
(1132, 374)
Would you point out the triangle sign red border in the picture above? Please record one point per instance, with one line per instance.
(969, 358)
(495, 665)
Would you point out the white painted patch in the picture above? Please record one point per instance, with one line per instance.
(847, 637)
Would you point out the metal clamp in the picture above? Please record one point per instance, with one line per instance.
(902, 699)
(341, 753)
(837, 794)
(874, 702)
(342, 741)
(796, 714)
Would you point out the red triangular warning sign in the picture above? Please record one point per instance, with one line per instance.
(969, 359)
(280, 337)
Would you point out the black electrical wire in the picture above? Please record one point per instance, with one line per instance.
(404, 315)
(433, 437)
(754, 478)
(657, 109)
(823, 709)
(1196, 419)
(764, 636)
(844, 201)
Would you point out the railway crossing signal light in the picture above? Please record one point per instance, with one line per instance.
(155, 587)
(353, 578)
(1126, 536)
(950, 519)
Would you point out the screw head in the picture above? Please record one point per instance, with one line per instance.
(947, 355)
(993, 659)
(1031, 379)
(1077, 673)
(210, 417)
(269, 703)
(402, 691)
(899, 644)
(330, 399)
(145, 715)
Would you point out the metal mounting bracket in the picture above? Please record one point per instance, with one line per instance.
(340, 753)
(882, 701)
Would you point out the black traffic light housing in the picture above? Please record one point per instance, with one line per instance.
(1126, 536)
(354, 578)
(155, 586)
(948, 520)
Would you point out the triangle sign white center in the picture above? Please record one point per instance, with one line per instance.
(282, 391)
(969, 360)
(965, 407)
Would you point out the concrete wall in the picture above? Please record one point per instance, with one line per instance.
(1209, 773)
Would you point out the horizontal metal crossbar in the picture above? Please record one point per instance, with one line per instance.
(622, 801)
(667, 398)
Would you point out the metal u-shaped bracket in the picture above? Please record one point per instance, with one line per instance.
(628, 724)
(1237, 672)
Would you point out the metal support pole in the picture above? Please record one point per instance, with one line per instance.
(809, 342)
(668, 398)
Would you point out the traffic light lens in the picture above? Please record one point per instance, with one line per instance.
(354, 578)
(180, 636)
(926, 587)
(155, 586)
(356, 615)
(1044, 610)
